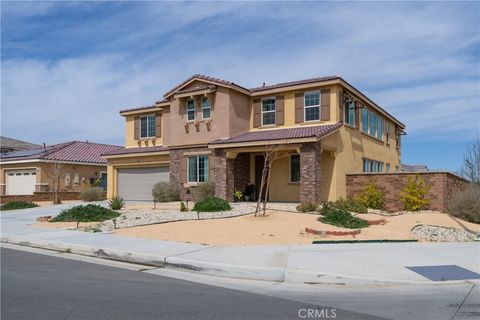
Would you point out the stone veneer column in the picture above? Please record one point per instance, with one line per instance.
(224, 175)
(175, 158)
(310, 172)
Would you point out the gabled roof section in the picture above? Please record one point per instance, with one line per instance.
(315, 132)
(294, 83)
(9, 143)
(207, 79)
(72, 151)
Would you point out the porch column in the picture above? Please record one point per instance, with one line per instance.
(310, 172)
(224, 175)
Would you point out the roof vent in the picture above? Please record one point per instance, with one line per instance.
(264, 84)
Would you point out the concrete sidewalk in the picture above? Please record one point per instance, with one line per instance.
(325, 263)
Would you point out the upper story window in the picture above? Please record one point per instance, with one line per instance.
(387, 132)
(365, 120)
(190, 110)
(295, 168)
(312, 106)
(372, 124)
(206, 108)
(268, 111)
(379, 127)
(197, 170)
(350, 113)
(147, 126)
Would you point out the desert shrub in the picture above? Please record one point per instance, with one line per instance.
(466, 204)
(414, 195)
(350, 205)
(211, 204)
(307, 207)
(86, 213)
(183, 207)
(116, 203)
(340, 217)
(165, 192)
(203, 190)
(92, 194)
(14, 205)
(371, 196)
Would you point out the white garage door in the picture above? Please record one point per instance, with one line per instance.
(21, 182)
(137, 183)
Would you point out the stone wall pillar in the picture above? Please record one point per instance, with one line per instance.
(224, 175)
(310, 172)
(242, 171)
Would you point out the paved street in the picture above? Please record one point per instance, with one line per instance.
(44, 287)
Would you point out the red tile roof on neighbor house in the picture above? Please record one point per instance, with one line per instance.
(73, 151)
(282, 134)
(294, 83)
(136, 150)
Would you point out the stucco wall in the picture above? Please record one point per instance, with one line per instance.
(443, 186)
(131, 142)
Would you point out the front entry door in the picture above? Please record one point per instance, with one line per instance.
(259, 164)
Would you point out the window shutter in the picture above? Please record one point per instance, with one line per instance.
(211, 169)
(279, 110)
(325, 105)
(183, 169)
(257, 113)
(158, 125)
(136, 128)
(358, 114)
(299, 104)
(341, 107)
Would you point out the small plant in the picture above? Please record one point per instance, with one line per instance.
(92, 194)
(183, 207)
(466, 204)
(211, 205)
(307, 207)
(87, 213)
(14, 205)
(350, 205)
(371, 196)
(414, 195)
(340, 218)
(237, 196)
(116, 203)
(165, 192)
(203, 191)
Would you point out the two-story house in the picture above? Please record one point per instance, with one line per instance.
(208, 129)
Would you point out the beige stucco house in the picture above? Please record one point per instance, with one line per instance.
(208, 129)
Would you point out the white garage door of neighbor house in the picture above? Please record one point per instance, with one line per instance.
(21, 182)
(137, 183)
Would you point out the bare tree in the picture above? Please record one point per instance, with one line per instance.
(56, 171)
(271, 155)
(471, 163)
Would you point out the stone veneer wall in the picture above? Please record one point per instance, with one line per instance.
(310, 172)
(242, 171)
(40, 196)
(224, 175)
(443, 186)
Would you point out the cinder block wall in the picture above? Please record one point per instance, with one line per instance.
(443, 186)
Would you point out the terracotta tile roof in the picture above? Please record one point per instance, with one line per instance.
(73, 151)
(282, 134)
(203, 77)
(196, 89)
(294, 83)
(136, 150)
(136, 109)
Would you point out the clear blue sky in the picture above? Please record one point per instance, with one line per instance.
(68, 67)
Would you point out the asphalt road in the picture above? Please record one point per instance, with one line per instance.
(35, 286)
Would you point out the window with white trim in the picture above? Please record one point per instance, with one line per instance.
(295, 168)
(147, 126)
(372, 165)
(206, 108)
(190, 110)
(312, 106)
(197, 170)
(350, 113)
(268, 111)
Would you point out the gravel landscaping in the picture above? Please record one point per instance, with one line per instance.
(442, 234)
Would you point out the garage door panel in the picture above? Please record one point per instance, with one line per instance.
(21, 182)
(137, 183)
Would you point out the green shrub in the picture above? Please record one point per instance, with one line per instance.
(466, 204)
(14, 205)
(307, 207)
(183, 207)
(92, 194)
(350, 205)
(116, 203)
(340, 217)
(211, 204)
(371, 196)
(203, 191)
(414, 195)
(165, 192)
(87, 213)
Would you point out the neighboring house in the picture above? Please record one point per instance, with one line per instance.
(207, 129)
(77, 164)
(9, 145)
(414, 168)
